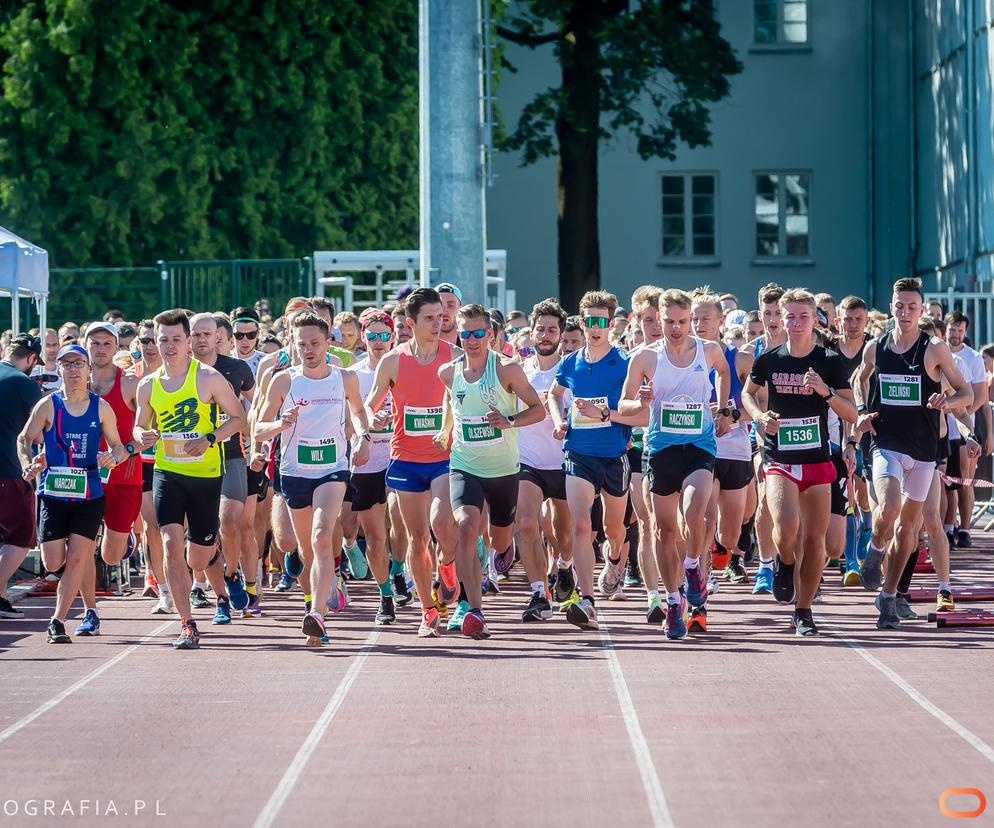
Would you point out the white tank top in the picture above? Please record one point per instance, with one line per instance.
(315, 446)
(680, 413)
(536, 445)
(379, 441)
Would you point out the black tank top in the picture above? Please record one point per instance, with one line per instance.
(900, 389)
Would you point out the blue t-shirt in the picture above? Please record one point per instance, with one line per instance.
(591, 380)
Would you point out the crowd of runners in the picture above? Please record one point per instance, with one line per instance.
(431, 447)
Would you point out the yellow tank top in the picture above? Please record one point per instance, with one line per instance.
(182, 416)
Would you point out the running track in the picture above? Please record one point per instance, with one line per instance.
(540, 725)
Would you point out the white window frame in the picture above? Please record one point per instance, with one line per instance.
(781, 44)
(782, 258)
(688, 258)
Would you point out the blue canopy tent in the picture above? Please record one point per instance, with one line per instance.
(23, 275)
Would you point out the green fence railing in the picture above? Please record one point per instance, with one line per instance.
(225, 284)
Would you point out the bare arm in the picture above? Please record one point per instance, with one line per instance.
(40, 419)
(144, 432)
(513, 378)
(383, 378)
(269, 422)
(633, 402)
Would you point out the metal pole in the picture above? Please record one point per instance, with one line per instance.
(424, 144)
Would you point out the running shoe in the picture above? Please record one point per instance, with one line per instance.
(503, 561)
(164, 606)
(293, 564)
(573, 598)
(198, 599)
(951, 537)
(8, 610)
(429, 623)
(481, 553)
(582, 614)
(254, 607)
(189, 637)
(713, 583)
(57, 633)
(889, 619)
(803, 623)
(90, 624)
(336, 600)
(698, 620)
(222, 612)
(565, 583)
(457, 615)
(313, 625)
(656, 613)
(676, 627)
(697, 588)
(871, 571)
(358, 565)
(474, 625)
(851, 578)
(736, 571)
(719, 559)
(618, 594)
(343, 584)
(285, 584)
(386, 613)
(963, 539)
(151, 587)
(609, 579)
(538, 609)
(783, 582)
(944, 601)
(401, 592)
(764, 581)
(904, 610)
(490, 586)
(633, 575)
(448, 585)
(236, 591)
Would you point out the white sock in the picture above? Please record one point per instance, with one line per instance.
(766, 563)
(673, 598)
(945, 585)
(691, 563)
(561, 564)
(200, 585)
(163, 588)
(947, 527)
(538, 588)
(887, 594)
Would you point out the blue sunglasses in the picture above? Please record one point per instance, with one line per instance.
(477, 333)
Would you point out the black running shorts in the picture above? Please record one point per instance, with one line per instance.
(499, 493)
(179, 498)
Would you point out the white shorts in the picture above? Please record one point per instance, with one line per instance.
(915, 475)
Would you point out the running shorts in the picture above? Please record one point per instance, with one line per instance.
(610, 474)
(840, 488)
(499, 493)
(147, 469)
(368, 490)
(805, 475)
(953, 466)
(409, 476)
(298, 492)
(62, 518)
(234, 481)
(915, 476)
(179, 498)
(257, 482)
(552, 482)
(733, 474)
(123, 504)
(17, 513)
(670, 467)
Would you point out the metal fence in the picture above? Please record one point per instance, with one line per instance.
(979, 307)
(225, 284)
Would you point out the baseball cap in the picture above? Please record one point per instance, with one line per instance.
(69, 350)
(106, 327)
(448, 287)
(32, 343)
(42, 373)
(126, 329)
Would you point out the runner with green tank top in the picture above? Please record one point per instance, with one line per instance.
(480, 403)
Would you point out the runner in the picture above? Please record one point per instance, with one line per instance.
(17, 499)
(451, 298)
(245, 322)
(572, 336)
(900, 400)
(70, 424)
(402, 331)
(803, 381)
(176, 407)
(670, 383)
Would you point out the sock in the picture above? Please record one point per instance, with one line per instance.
(396, 567)
(200, 585)
(163, 588)
(765, 563)
(190, 623)
(653, 593)
(691, 563)
(887, 594)
(904, 584)
(250, 587)
(745, 536)
(307, 598)
(538, 588)
(945, 585)
(385, 590)
(721, 550)
(89, 609)
(673, 598)
(614, 561)
(561, 564)
(875, 549)
(462, 593)
(948, 527)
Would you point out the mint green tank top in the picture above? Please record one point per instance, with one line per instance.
(477, 447)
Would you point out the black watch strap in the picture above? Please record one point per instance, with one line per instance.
(211, 437)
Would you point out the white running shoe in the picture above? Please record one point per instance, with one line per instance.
(165, 605)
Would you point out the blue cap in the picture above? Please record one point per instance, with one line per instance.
(69, 350)
(448, 287)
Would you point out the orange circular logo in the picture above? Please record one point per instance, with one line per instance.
(949, 812)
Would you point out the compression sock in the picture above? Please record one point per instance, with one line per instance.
(386, 590)
(909, 570)
(396, 567)
(250, 588)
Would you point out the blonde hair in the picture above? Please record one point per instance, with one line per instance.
(800, 296)
(673, 296)
(645, 297)
(704, 296)
(600, 299)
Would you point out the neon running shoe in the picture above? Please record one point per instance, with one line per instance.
(851, 578)
(293, 564)
(565, 583)
(357, 562)
(944, 601)
(151, 587)
(764, 581)
(222, 612)
(574, 598)
(429, 623)
(443, 611)
(736, 571)
(474, 625)
(448, 585)
(189, 637)
(90, 624)
(697, 589)
(656, 613)
(457, 615)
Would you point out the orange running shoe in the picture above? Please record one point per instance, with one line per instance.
(698, 620)
(151, 586)
(448, 586)
(429, 623)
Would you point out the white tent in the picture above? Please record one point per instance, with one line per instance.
(23, 274)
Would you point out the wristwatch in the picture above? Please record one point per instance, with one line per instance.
(852, 442)
(129, 448)
(860, 409)
(211, 437)
(605, 414)
(830, 394)
(365, 435)
(510, 420)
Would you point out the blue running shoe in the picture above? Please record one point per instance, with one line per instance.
(222, 612)
(457, 615)
(90, 624)
(293, 564)
(236, 592)
(286, 583)
(676, 626)
(764, 582)
(481, 553)
(357, 562)
(697, 586)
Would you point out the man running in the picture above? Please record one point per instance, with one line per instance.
(803, 381)
(177, 407)
(451, 298)
(900, 400)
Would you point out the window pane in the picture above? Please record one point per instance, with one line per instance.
(767, 215)
(796, 187)
(673, 185)
(673, 246)
(672, 206)
(797, 236)
(703, 245)
(795, 32)
(703, 184)
(765, 21)
(703, 225)
(766, 245)
(704, 205)
(673, 226)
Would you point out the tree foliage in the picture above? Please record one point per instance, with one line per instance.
(156, 129)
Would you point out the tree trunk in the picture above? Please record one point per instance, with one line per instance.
(577, 128)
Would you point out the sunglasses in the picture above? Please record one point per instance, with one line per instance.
(526, 352)
(240, 335)
(595, 321)
(476, 333)
(383, 336)
(146, 340)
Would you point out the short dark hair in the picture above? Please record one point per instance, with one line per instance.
(113, 314)
(224, 322)
(320, 303)
(549, 307)
(572, 324)
(175, 316)
(909, 284)
(308, 318)
(851, 302)
(418, 298)
(473, 311)
(245, 314)
(955, 317)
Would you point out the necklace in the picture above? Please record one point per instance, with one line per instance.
(912, 366)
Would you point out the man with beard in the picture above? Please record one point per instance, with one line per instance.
(451, 302)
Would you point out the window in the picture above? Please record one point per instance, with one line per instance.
(782, 212)
(779, 22)
(688, 215)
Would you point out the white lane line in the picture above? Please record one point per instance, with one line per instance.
(964, 733)
(658, 808)
(65, 694)
(285, 786)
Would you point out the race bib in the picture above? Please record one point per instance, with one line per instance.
(384, 434)
(896, 389)
(65, 481)
(173, 446)
(104, 474)
(422, 422)
(681, 418)
(476, 431)
(799, 434)
(577, 420)
(317, 452)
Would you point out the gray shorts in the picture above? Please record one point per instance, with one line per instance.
(234, 481)
(915, 476)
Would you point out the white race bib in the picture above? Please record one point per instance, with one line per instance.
(799, 434)
(65, 481)
(577, 419)
(681, 418)
(174, 446)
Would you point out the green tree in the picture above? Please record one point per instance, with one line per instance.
(649, 67)
(156, 129)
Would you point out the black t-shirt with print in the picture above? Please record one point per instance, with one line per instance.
(802, 436)
(239, 375)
